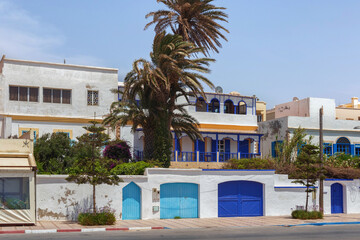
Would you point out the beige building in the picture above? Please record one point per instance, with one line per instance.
(349, 111)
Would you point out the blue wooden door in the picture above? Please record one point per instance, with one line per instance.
(337, 205)
(178, 200)
(131, 203)
(240, 199)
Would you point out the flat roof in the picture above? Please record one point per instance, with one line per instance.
(4, 59)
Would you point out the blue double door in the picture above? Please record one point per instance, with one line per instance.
(240, 199)
(179, 200)
(131, 202)
(337, 199)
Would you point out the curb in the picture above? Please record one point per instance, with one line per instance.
(39, 231)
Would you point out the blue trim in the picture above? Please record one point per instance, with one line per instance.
(321, 224)
(338, 179)
(294, 187)
(240, 170)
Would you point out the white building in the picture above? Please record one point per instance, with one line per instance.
(340, 136)
(228, 124)
(51, 97)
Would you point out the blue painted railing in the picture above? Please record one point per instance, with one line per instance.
(207, 156)
(187, 157)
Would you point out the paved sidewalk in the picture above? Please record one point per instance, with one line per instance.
(65, 226)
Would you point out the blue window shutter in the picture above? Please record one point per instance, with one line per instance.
(201, 146)
(227, 145)
(334, 148)
(352, 149)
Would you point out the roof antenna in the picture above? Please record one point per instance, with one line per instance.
(64, 61)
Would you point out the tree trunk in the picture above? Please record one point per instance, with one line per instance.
(94, 199)
(307, 199)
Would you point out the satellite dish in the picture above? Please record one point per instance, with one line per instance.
(218, 89)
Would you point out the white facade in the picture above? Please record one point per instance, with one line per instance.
(60, 112)
(305, 114)
(60, 200)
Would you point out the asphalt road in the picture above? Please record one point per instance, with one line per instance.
(338, 232)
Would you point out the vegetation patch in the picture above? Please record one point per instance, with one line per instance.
(101, 218)
(302, 214)
(136, 168)
(250, 163)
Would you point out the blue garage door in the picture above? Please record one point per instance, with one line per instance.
(337, 198)
(240, 199)
(131, 204)
(178, 200)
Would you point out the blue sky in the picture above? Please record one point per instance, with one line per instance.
(277, 49)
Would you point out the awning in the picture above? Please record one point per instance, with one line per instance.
(17, 161)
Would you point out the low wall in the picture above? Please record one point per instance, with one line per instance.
(58, 199)
(199, 165)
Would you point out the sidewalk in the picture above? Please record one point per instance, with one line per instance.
(65, 226)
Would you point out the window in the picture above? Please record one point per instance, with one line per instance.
(22, 131)
(93, 98)
(241, 108)
(259, 118)
(14, 193)
(221, 146)
(201, 105)
(357, 149)
(24, 94)
(229, 106)
(343, 145)
(56, 96)
(214, 106)
(68, 132)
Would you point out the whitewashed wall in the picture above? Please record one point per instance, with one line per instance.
(60, 200)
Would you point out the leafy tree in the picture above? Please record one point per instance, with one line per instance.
(308, 169)
(92, 169)
(195, 20)
(54, 153)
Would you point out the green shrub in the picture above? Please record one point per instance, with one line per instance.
(137, 168)
(177, 217)
(249, 163)
(101, 218)
(302, 214)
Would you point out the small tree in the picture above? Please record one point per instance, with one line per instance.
(92, 168)
(308, 169)
(118, 150)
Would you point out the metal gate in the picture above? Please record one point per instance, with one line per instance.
(179, 200)
(240, 199)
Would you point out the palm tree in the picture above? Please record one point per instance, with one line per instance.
(141, 107)
(195, 20)
(179, 72)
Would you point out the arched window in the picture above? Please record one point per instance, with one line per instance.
(241, 108)
(228, 106)
(214, 106)
(343, 145)
(201, 105)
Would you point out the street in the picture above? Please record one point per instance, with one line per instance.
(335, 232)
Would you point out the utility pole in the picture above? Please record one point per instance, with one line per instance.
(321, 140)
